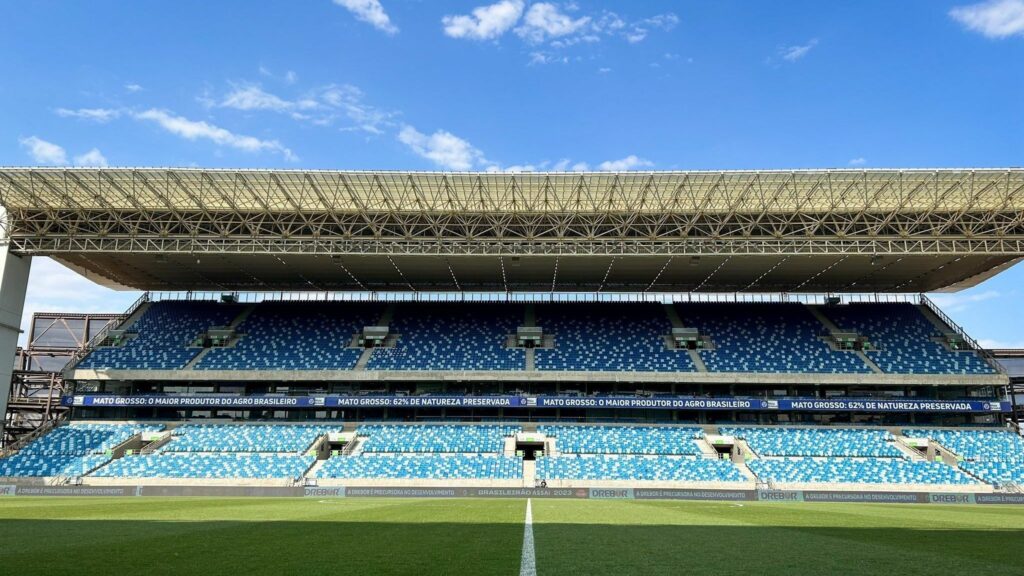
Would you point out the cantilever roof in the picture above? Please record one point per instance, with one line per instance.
(815, 191)
(798, 230)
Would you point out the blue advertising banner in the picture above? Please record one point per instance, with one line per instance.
(579, 402)
(893, 405)
(665, 403)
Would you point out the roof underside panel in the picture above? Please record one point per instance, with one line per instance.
(793, 231)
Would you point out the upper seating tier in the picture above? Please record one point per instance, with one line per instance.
(597, 337)
(608, 337)
(164, 335)
(904, 340)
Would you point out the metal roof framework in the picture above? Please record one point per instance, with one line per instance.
(928, 229)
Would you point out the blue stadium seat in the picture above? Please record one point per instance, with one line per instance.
(452, 337)
(246, 437)
(903, 337)
(230, 465)
(663, 468)
(857, 471)
(608, 337)
(767, 338)
(71, 450)
(296, 336)
(164, 334)
(624, 439)
(435, 438)
(423, 466)
(994, 456)
(775, 441)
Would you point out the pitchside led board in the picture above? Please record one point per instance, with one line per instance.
(676, 403)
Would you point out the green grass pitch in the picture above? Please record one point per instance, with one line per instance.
(256, 536)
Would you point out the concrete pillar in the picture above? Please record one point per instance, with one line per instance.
(13, 285)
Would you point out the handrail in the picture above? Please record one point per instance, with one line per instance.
(985, 354)
(23, 441)
(100, 336)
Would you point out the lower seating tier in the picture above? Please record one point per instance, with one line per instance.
(246, 438)
(27, 465)
(661, 468)
(423, 466)
(997, 472)
(624, 439)
(435, 438)
(856, 471)
(207, 466)
(816, 441)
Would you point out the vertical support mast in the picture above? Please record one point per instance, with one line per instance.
(13, 286)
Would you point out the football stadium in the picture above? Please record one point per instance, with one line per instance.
(477, 373)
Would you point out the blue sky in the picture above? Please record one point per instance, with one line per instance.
(516, 85)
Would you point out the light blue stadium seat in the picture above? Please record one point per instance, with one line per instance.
(624, 439)
(435, 438)
(423, 466)
(663, 468)
(994, 456)
(776, 441)
(974, 444)
(857, 471)
(230, 465)
(71, 450)
(246, 437)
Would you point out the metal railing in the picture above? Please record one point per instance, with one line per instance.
(537, 297)
(23, 441)
(971, 342)
(100, 336)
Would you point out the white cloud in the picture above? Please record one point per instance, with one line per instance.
(544, 21)
(43, 152)
(133, 87)
(794, 53)
(321, 107)
(200, 130)
(547, 58)
(442, 148)
(349, 100)
(101, 115)
(631, 162)
(958, 302)
(91, 158)
(251, 97)
(486, 22)
(604, 70)
(638, 31)
(993, 19)
(371, 12)
(860, 161)
(290, 77)
(991, 344)
(580, 167)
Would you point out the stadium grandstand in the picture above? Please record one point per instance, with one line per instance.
(673, 330)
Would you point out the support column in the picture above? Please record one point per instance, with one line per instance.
(13, 286)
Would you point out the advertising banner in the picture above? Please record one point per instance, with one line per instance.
(578, 402)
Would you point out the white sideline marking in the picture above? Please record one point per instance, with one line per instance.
(528, 565)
